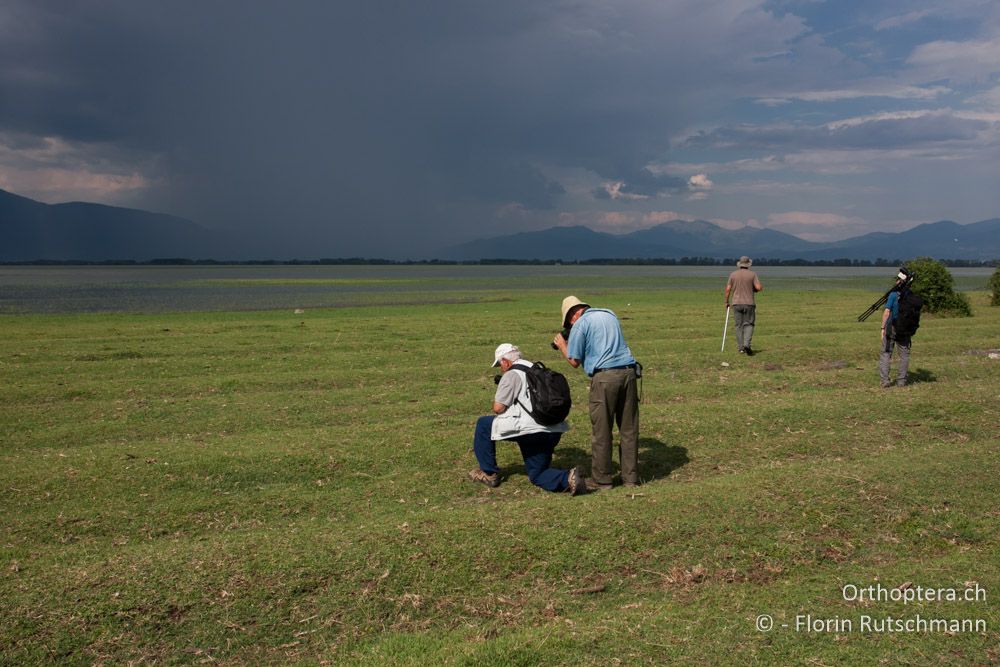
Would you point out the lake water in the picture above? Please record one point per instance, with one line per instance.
(154, 289)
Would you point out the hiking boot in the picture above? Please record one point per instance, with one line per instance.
(748, 351)
(575, 483)
(886, 384)
(594, 486)
(491, 480)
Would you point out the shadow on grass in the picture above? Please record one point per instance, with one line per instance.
(658, 459)
(920, 375)
(567, 457)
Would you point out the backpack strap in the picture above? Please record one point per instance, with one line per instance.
(525, 366)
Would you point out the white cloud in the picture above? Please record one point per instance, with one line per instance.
(699, 185)
(988, 100)
(700, 182)
(909, 115)
(614, 191)
(956, 61)
(766, 163)
(874, 88)
(903, 19)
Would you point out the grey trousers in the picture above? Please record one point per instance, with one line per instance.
(744, 316)
(614, 399)
(886, 358)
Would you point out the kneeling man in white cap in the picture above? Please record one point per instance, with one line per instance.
(511, 420)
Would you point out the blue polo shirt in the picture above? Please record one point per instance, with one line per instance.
(596, 340)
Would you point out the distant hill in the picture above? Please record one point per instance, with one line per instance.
(680, 238)
(942, 240)
(31, 230)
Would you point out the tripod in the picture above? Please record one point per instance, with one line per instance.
(903, 280)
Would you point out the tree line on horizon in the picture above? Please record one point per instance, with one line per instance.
(655, 261)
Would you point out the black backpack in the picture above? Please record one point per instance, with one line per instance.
(908, 316)
(549, 393)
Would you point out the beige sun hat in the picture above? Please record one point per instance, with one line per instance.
(744, 262)
(568, 304)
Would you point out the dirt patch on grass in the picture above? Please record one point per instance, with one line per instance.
(833, 365)
(685, 579)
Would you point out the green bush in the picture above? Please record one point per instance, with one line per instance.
(936, 286)
(994, 286)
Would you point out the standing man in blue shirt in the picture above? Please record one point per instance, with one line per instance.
(596, 342)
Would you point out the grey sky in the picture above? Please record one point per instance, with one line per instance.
(395, 129)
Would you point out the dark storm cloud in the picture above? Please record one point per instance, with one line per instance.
(373, 128)
(316, 118)
(65, 73)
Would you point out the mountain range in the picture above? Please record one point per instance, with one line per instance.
(681, 238)
(31, 230)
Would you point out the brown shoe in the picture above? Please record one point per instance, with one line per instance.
(594, 486)
(490, 480)
(576, 483)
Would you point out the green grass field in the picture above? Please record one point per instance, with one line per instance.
(280, 488)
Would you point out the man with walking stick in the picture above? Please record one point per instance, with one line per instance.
(742, 284)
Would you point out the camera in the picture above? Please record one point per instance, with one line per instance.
(565, 334)
(496, 378)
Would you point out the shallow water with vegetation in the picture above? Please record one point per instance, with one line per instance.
(154, 289)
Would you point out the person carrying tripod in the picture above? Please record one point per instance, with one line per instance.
(900, 320)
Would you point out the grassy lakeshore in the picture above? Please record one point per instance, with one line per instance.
(278, 488)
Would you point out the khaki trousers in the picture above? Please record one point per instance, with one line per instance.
(614, 399)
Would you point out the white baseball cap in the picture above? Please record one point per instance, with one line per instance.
(502, 349)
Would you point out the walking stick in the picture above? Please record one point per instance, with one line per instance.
(725, 329)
